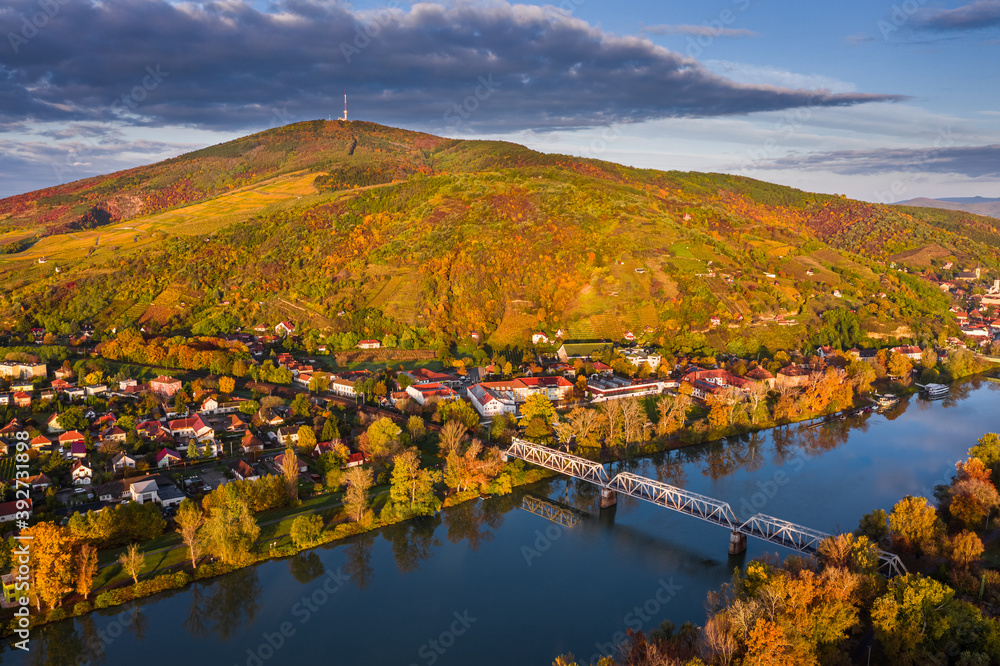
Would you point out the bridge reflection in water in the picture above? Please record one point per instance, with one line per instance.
(761, 526)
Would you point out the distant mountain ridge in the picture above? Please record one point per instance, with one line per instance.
(974, 205)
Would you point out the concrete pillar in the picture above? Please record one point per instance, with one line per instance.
(737, 542)
(608, 498)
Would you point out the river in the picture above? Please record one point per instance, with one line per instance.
(489, 583)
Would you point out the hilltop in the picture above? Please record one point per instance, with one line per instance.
(354, 227)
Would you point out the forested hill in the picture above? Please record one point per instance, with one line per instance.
(357, 227)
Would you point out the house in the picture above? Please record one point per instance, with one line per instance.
(250, 442)
(110, 492)
(21, 399)
(279, 461)
(126, 384)
(422, 393)
(151, 430)
(9, 510)
(638, 357)
(212, 405)
(40, 442)
(47, 395)
(70, 438)
(792, 375)
(759, 374)
(369, 344)
(425, 376)
(284, 328)
(95, 389)
(342, 387)
(113, 434)
(76, 393)
(4, 398)
(121, 460)
(327, 447)
(144, 491)
(539, 338)
(61, 374)
(11, 430)
(167, 457)
(165, 386)
(230, 423)
(288, 435)
(81, 473)
(38, 483)
(78, 450)
(911, 352)
(354, 460)
(630, 336)
(268, 416)
(242, 471)
(192, 427)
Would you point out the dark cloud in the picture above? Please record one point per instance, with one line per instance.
(979, 14)
(227, 66)
(971, 161)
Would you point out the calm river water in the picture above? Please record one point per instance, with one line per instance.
(490, 583)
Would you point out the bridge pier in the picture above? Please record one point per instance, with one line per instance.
(737, 542)
(609, 498)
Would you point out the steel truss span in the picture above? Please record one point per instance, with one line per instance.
(767, 528)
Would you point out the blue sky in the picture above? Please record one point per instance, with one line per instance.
(882, 102)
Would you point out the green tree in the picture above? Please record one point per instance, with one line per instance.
(330, 429)
(458, 410)
(230, 530)
(412, 490)
(306, 530)
(874, 525)
(300, 406)
(249, 407)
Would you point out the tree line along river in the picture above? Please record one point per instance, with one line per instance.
(488, 582)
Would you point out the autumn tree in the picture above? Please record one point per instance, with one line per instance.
(672, 413)
(290, 472)
(964, 549)
(131, 560)
(51, 557)
(538, 405)
(473, 468)
(227, 385)
(383, 435)
(86, 569)
(451, 437)
(416, 427)
(359, 481)
(189, 520)
(307, 439)
(915, 524)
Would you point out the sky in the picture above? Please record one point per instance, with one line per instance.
(881, 101)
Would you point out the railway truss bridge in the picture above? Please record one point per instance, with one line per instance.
(760, 526)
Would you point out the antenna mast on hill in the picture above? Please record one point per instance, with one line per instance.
(345, 107)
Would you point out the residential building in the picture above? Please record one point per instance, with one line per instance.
(369, 344)
(192, 427)
(242, 471)
(82, 473)
(167, 457)
(165, 386)
(288, 435)
(279, 462)
(9, 510)
(121, 460)
(342, 387)
(423, 393)
(605, 388)
(18, 370)
(21, 399)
